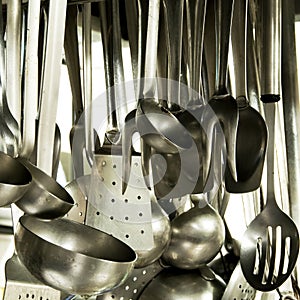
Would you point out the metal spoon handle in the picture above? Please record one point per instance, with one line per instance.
(173, 12)
(106, 27)
(199, 23)
(31, 78)
(2, 56)
(223, 20)
(271, 56)
(151, 48)
(239, 42)
(13, 50)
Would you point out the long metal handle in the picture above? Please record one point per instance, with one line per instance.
(271, 42)
(13, 50)
(31, 78)
(239, 43)
(50, 86)
(223, 20)
(173, 12)
(291, 109)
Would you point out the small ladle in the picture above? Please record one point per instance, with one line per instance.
(222, 103)
(251, 140)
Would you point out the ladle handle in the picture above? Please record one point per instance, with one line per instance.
(106, 28)
(271, 55)
(72, 59)
(239, 42)
(149, 84)
(173, 13)
(223, 20)
(199, 23)
(31, 78)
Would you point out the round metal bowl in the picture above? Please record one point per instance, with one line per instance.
(45, 198)
(15, 179)
(72, 257)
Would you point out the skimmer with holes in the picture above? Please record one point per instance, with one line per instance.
(127, 217)
(21, 285)
(134, 285)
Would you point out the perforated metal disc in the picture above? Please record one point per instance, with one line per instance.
(127, 217)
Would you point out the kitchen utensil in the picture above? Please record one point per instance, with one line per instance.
(251, 139)
(129, 216)
(134, 284)
(266, 264)
(222, 103)
(50, 85)
(174, 24)
(238, 288)
(20, 284)
(79, 190)
(13, 66)
(174, 284)
(290, 94)
(8, 124)
(196, 237)
(73, 64)
(15, 179)
(31, 79)
(45, 198)
(270, 245)
(60, 253)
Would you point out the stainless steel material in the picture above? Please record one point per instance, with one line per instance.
(265, 242)
(50, 85)
(20, 284)
(45, 198)
(79, 190)
(238, 288)
(128, 217)
(13, 66)
(174, 25)
(196, 237)
(251, 139)
(15, 180)
(271, 48)
(9, 126)
(174, 284)
(72, 257)
(222, 103)
(31, 78)
(290, 94)
(134, 284)
(73, 64)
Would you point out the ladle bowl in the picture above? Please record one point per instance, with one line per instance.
(15, 179)
(45, 198)
(72, 257)
(160, 129)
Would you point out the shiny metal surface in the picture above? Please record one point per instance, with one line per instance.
(161, 231)
(262, 239)
(291, 109)
(45, 198)
(15, 179)
(222, 103)
(175, 284)
(197, 236)
(72, 257)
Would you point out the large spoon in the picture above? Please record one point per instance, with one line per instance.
(270, 245)
(251, 140)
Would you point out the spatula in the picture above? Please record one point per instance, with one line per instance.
(270, 245)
